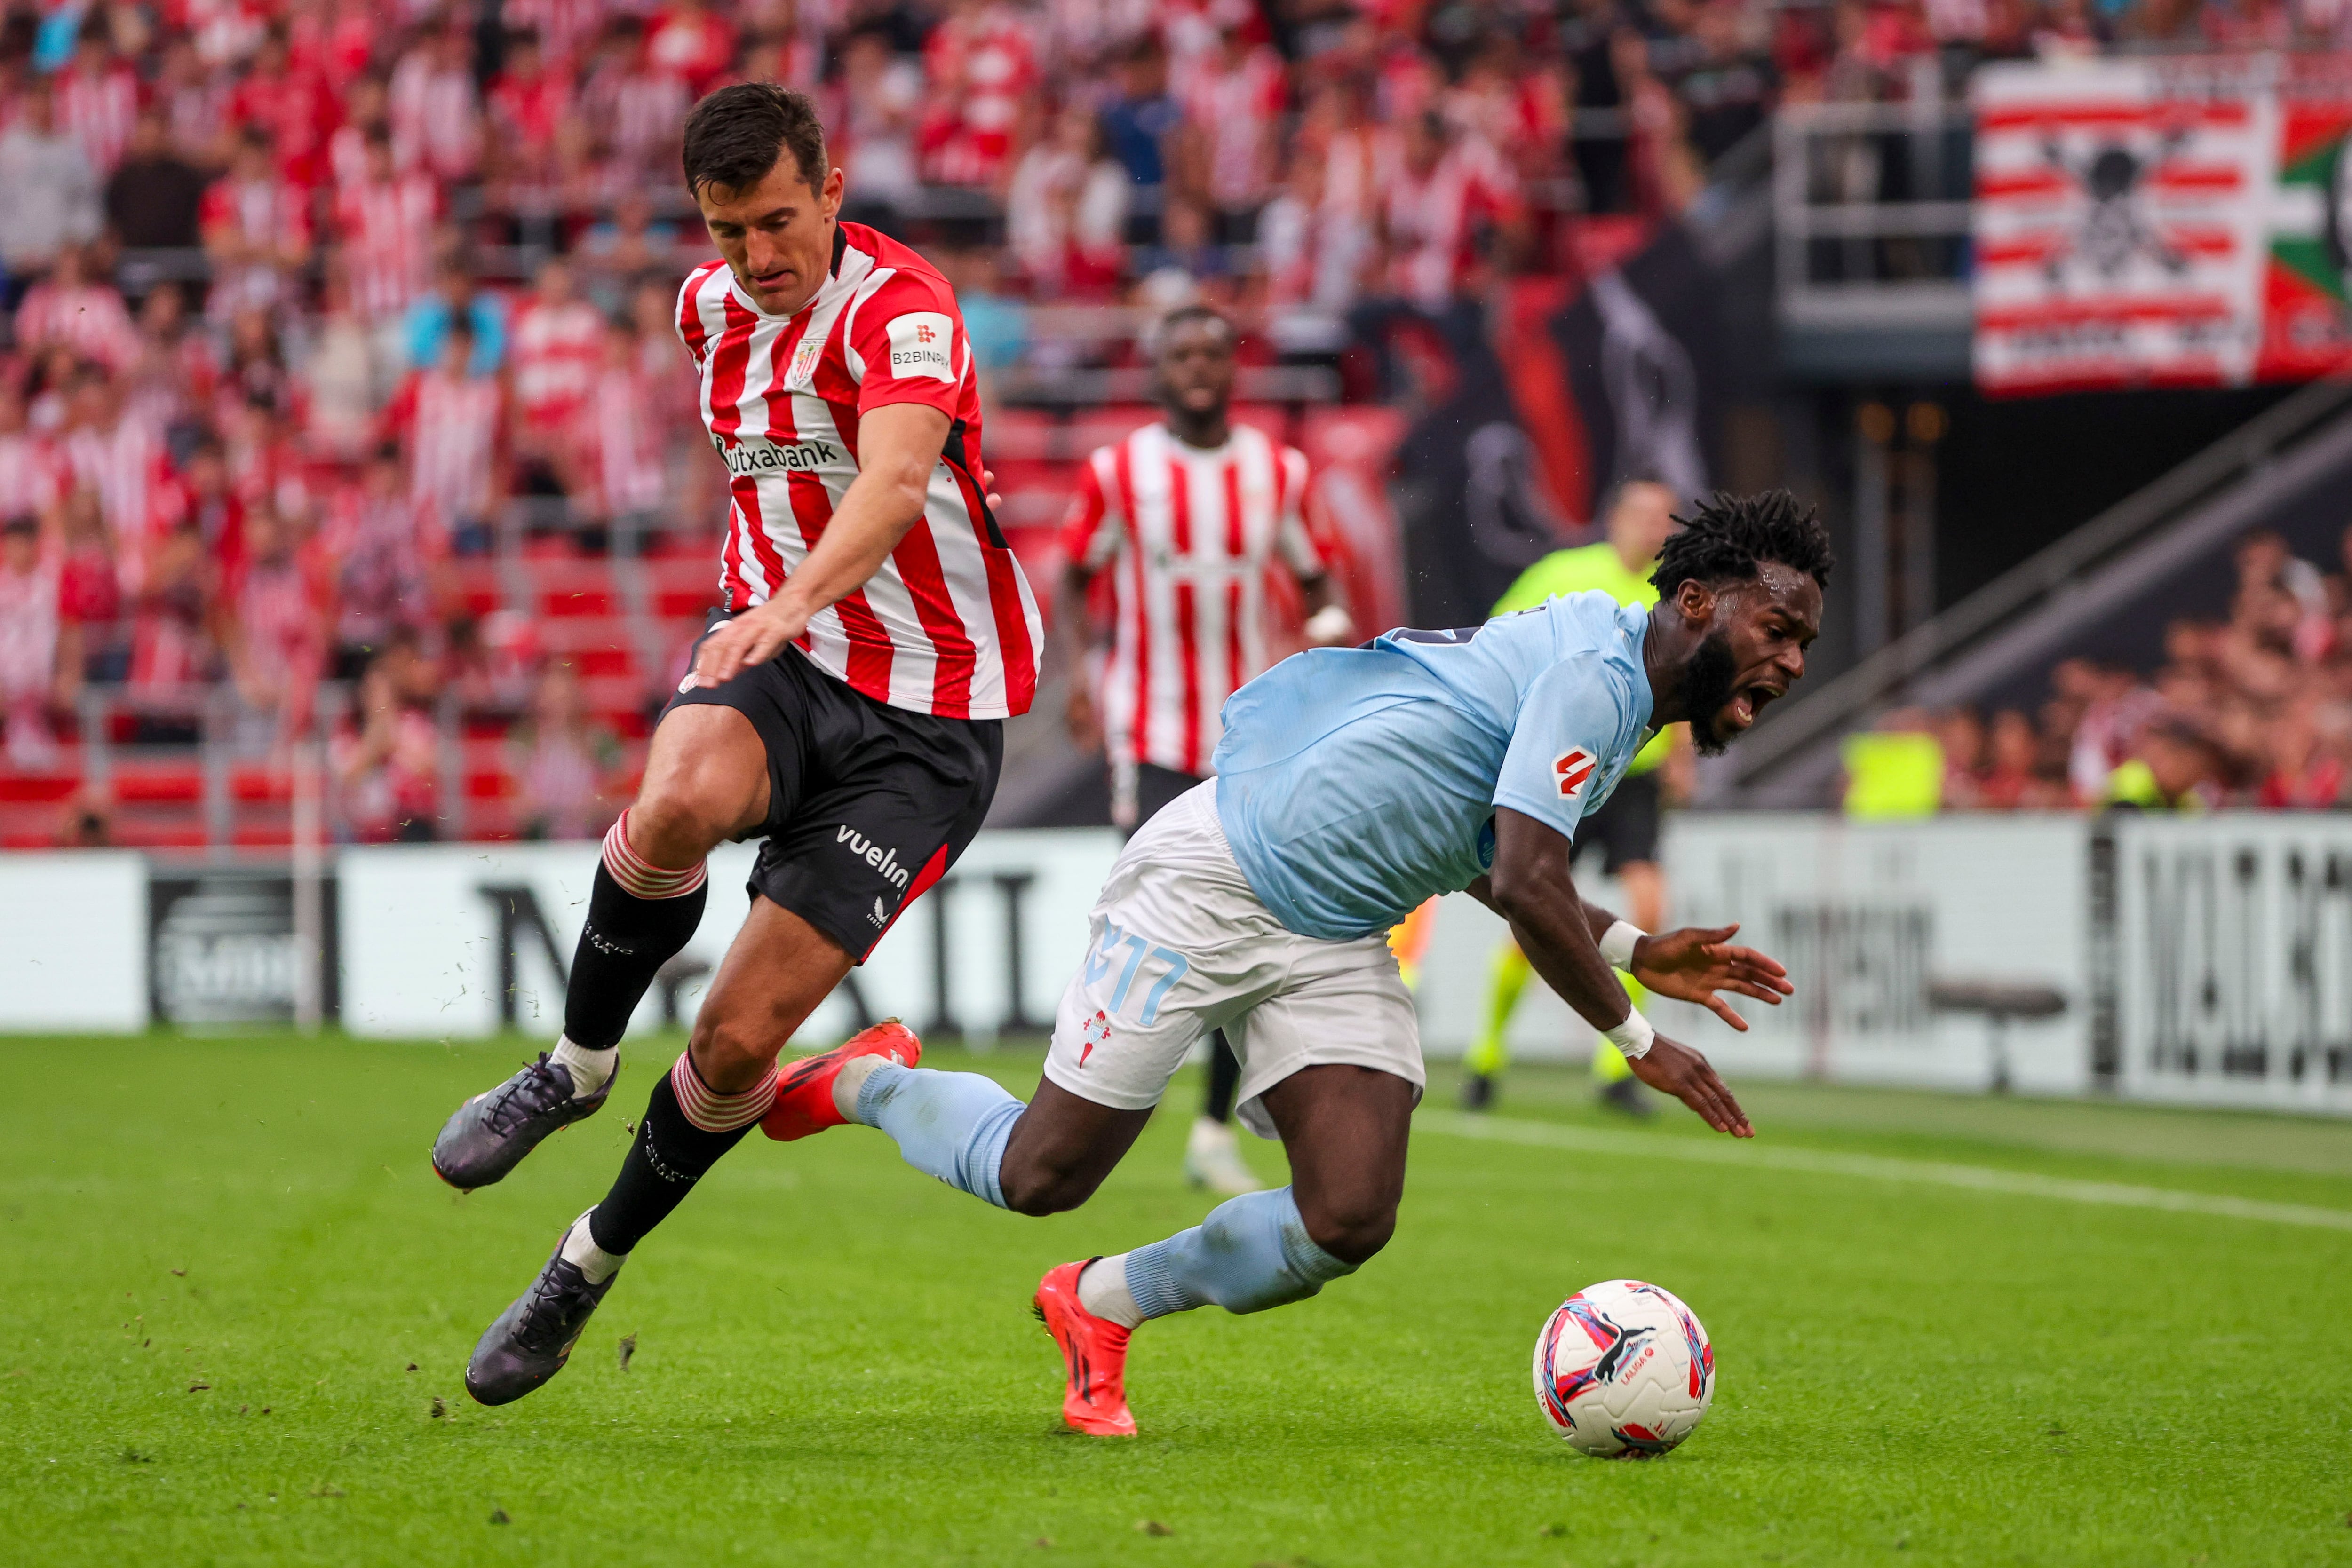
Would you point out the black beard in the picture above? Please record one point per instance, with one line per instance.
(1707, 679)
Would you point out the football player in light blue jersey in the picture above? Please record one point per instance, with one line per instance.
(1352, 785)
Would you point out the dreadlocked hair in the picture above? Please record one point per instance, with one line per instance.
(1729, 538)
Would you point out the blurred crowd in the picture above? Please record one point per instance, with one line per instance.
(307, 300)
(2251, 710)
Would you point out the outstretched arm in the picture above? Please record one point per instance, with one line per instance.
(1531, 888)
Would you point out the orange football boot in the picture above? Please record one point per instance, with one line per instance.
(805, 1090)
(1095, 1350)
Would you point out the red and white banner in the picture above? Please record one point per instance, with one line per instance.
(2161, 222)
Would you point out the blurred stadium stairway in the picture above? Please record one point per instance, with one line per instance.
(2105, 591)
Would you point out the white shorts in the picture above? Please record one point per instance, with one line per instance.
(1179, 945)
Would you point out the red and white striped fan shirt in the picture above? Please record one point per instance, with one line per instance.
(947, 624)
(556, 351)
(453, 425)
(626, 437)
(34, 475)
(98, 107)
(386, 228)
(1193, 532)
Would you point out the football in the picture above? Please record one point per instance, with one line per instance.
(1623, 1371)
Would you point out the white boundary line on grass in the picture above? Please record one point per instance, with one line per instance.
(1874, 1168)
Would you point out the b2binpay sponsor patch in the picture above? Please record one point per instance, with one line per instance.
(921, 344)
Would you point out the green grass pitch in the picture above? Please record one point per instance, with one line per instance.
(235, 1306)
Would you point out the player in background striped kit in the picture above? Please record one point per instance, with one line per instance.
(1187, 516)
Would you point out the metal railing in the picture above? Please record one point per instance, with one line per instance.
(1854, 698)
(1871, 213)
(232, 744)
(257, 791)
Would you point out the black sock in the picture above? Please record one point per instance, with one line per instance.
(1224, 1077)
(626, 938)
(671, 1155)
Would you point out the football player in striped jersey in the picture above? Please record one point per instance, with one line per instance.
(845, 706)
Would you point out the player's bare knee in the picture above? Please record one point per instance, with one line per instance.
(1039, 1190)
(1350, 1231)
(674, 823)
(731, 1050)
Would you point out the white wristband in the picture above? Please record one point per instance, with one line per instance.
(1634, 1036)
(1617, 944)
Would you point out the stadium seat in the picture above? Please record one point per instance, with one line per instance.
(1017, 473)
(681, 587)
(1272, 418)
(478, 586)
(598, 646)
(172, 782)
(274, 833)
(259, 783)
(562, 590)
(177, 833)
(487, 771)
(31, 805)
(42, 789)
(1093, 427)
(619, 701)
(1018, 435)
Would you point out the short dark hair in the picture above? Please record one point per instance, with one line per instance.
(1729, 538)
(1617, 488)
(1198, 311)
(735, 136)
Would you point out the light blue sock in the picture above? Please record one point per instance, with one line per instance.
(953, 1125)
(1251, 1253)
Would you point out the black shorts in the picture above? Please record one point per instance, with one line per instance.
(1626, 825)
(867, 804)
(1156, 788)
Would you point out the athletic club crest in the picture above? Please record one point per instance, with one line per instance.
(805, 358)
(1573, 769)
(1097, 1032)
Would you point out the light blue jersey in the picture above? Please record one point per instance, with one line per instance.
(1353, 783)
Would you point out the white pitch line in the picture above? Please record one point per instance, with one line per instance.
(1874, 1168)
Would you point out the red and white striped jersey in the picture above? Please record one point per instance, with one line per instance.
(268, 214)
(126, 463)
(1235, 109)
(564, 26)
(98, 109)
(947, 624)
(88, 318)
(1431, 219)
(625, 433)
(281, 610)
(30, 609)
(436, 118)
(34, 475)
(1193, 532)
(451, 423)
(640, 113)
(386, 228)
(556, 351)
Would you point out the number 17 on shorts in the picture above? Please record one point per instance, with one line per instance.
(1117, 1037)
(1127, 952)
